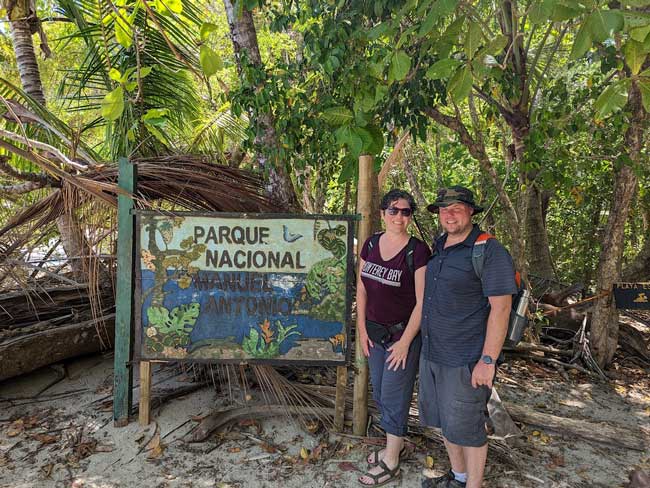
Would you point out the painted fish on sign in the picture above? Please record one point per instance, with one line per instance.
(227, 287)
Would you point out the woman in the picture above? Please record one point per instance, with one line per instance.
(390, 288)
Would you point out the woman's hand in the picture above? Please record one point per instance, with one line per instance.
(399, 351)
(366, 343)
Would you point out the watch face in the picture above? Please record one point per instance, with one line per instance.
(487, 359)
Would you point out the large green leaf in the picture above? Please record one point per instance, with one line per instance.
(113, 104)
(338, 116)
(207, 28)
(582, 42)
(612, 99)
(124, 28)
(210, 61)
(473, 39)
(541, 11)
(400, 64)
(445, 7)
(640, 34)
(349, 169)
(603, 24)
(115, 75)
(429, 21)
(379, 30)
(460, 84)
(347, 136)
(377, 144)
(442, 69)
(366, 140)
(497, 45)
(634, 55)
(563, 12)
(164, 7)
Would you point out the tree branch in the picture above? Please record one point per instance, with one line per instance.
(533, 65)
(45, 147)
(538, 80)
(507, 114)
(22, 188)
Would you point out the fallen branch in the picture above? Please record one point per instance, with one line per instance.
(601, 432)
(220, 418)
(555, 362)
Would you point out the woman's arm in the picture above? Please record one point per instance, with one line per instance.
(399, 350)
(362, 300)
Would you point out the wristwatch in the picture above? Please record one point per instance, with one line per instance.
(487, 359)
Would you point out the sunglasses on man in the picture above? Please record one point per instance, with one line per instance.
(406, 212)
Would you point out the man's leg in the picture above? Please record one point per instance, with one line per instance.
(456, 456)
(475, 458)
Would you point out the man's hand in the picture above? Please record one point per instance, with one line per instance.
(483, 374)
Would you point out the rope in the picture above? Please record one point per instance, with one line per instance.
(559, 309)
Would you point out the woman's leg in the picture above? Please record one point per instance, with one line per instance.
(376, 362)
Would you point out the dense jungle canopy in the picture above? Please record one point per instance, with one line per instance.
(541, 106)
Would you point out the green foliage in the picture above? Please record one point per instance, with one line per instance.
(170, 329)
(267, 344)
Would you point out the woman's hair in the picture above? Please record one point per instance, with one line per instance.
(396, 194)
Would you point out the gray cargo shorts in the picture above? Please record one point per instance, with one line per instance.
(447, 400)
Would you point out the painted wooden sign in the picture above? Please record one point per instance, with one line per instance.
(632, 295)
(243, 287)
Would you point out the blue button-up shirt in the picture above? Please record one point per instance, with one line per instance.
(456, 306)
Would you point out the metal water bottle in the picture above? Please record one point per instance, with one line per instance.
(518, 319)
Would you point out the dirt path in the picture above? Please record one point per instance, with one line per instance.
(65, 437)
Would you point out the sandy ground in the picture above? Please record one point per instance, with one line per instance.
(64, 437)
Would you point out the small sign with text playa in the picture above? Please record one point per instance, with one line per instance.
(630, 296)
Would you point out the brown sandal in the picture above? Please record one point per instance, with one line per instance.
(375, 455)
(392, 474)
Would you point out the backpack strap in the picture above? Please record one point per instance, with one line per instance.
(374, 240)
(410, 252)
(478, 253)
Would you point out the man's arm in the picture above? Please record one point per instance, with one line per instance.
(497, 328)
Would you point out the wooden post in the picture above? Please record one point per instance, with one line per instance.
(364, 207)
(145, 393)
(122, 372)
(339, 402)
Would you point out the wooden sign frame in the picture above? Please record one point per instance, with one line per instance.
(339, 340)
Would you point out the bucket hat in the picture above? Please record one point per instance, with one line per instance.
(454, 194)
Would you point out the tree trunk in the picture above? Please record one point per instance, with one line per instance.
(74, 244)
(540, 263)
(22, 19)
(604, 323)
(639, 269)
(30, 76)
(244, 41)
(30, 352)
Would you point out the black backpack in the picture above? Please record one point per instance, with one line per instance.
(518, 320)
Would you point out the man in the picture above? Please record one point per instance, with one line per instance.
(464, 324)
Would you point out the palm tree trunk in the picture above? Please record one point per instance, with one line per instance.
(244, 41)
(30, 76)
(22, 19)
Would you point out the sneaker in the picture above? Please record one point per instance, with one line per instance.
(445, 481)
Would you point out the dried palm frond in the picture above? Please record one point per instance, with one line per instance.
(171, 182)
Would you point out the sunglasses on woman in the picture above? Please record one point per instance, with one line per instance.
(406, 212)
